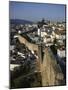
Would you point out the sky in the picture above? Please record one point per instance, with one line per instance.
(36, 11)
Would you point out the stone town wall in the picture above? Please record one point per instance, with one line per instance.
(51, 71)
(31, 46)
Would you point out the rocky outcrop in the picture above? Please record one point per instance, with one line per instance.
(49, 69)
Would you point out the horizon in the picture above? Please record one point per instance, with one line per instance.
(36, 11)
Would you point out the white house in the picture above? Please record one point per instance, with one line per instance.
(47, 39)
(61, 53)
(43, 34)
(60, 34)
(34, 25)
(53, 28)
(52, 37)
(12, 66)
(53, 33)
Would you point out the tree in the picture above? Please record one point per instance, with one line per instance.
(40, 24)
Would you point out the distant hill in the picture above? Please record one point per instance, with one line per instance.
(18, 21)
